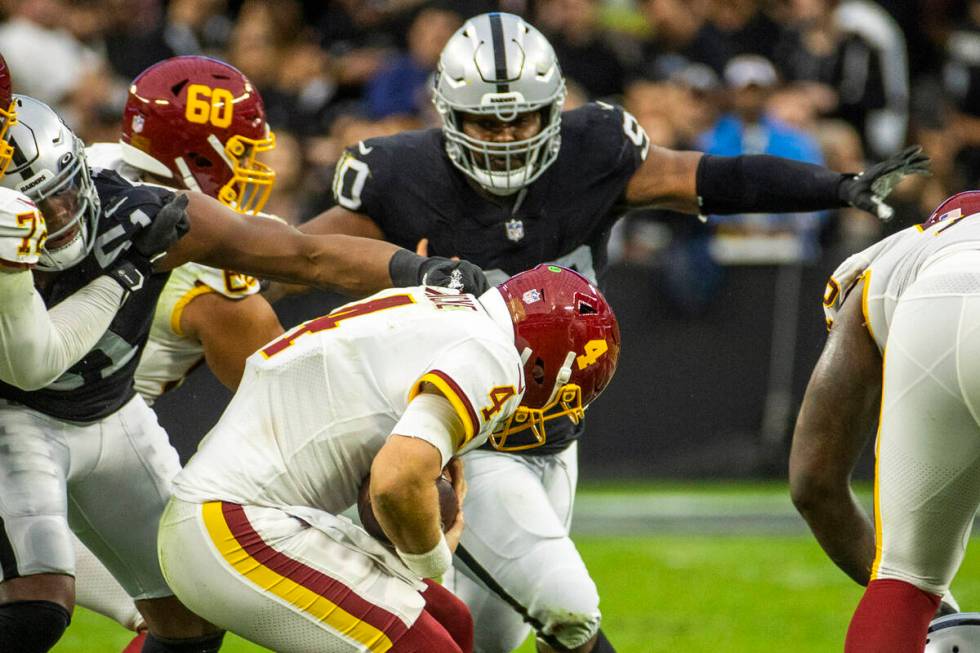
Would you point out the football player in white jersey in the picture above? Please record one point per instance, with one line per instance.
(904, 320)
(203, 312)
(396, 386)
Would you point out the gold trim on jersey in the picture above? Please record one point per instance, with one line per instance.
(877, 484)
(455, 396)
(864, 303)
(182, 303)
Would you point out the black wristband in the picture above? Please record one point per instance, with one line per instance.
(404, 268)
(127, 275)
(759, 183)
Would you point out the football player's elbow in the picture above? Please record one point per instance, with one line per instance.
(30, 378)
(814, 491)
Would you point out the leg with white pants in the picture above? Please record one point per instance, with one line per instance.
(518, 512)
(97, 590)
(928, 470)
(108, 479)
(294, 585)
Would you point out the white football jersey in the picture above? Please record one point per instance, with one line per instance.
(891, 265)
(316, 405)
(170, 355)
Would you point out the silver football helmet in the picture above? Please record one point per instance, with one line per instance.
(49, 167)
(498, 65)
(954, 633)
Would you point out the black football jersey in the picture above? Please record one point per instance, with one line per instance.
(408, 186)
(102, 381)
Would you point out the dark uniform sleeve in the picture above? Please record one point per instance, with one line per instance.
(612, 142)
(403, 182)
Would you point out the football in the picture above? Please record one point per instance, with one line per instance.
(448, 507)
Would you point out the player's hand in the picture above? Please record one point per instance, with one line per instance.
(168, 226)
(454, 470)
(408, 269)
(869, 189)
(131, 269)
(454, 274)
(22, 235)
(455, 532)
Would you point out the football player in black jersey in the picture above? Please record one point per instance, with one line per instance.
(85, 438)
(509, 182)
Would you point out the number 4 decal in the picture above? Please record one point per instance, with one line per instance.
(498, 396)
(593, 350)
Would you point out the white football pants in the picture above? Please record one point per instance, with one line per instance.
(109, 480)
(518, 511)
(927, 480)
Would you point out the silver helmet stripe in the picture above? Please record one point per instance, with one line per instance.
(499, 52)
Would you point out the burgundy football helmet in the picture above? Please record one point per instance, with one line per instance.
(957, 206)
(568, 339)
(8, 115)
(200, 123)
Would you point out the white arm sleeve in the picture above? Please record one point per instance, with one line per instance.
(37, 345)
(432, 418)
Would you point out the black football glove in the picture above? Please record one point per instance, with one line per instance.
(409, 269)
(869, 189)
(168, 226)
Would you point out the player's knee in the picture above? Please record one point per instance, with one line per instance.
(32, 626)
(569, 609)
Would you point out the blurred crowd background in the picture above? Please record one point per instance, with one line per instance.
(839, 82)
(834, 81)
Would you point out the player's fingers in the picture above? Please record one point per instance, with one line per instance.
(422, 249)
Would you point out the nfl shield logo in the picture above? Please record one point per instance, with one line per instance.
(515, 230)
(138, 121)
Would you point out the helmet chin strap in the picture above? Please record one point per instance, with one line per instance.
(525, 355)
(564, 374)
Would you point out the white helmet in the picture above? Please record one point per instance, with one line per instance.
(49, 167)
(498, 65)
(954, 633)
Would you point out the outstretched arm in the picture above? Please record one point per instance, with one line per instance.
(267, 248)
(839, 408)
(692, 182)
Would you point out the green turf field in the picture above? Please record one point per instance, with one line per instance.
(667, 592)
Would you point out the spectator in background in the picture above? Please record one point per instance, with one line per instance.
(401, 87)
(573, 28)
(857, 51)
(747, 28)
(45, 58)
(961, 87)
(681, 34)
(749, 129)
(197, 26)
(135, 39)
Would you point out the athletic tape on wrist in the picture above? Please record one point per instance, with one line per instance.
(431, 564)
